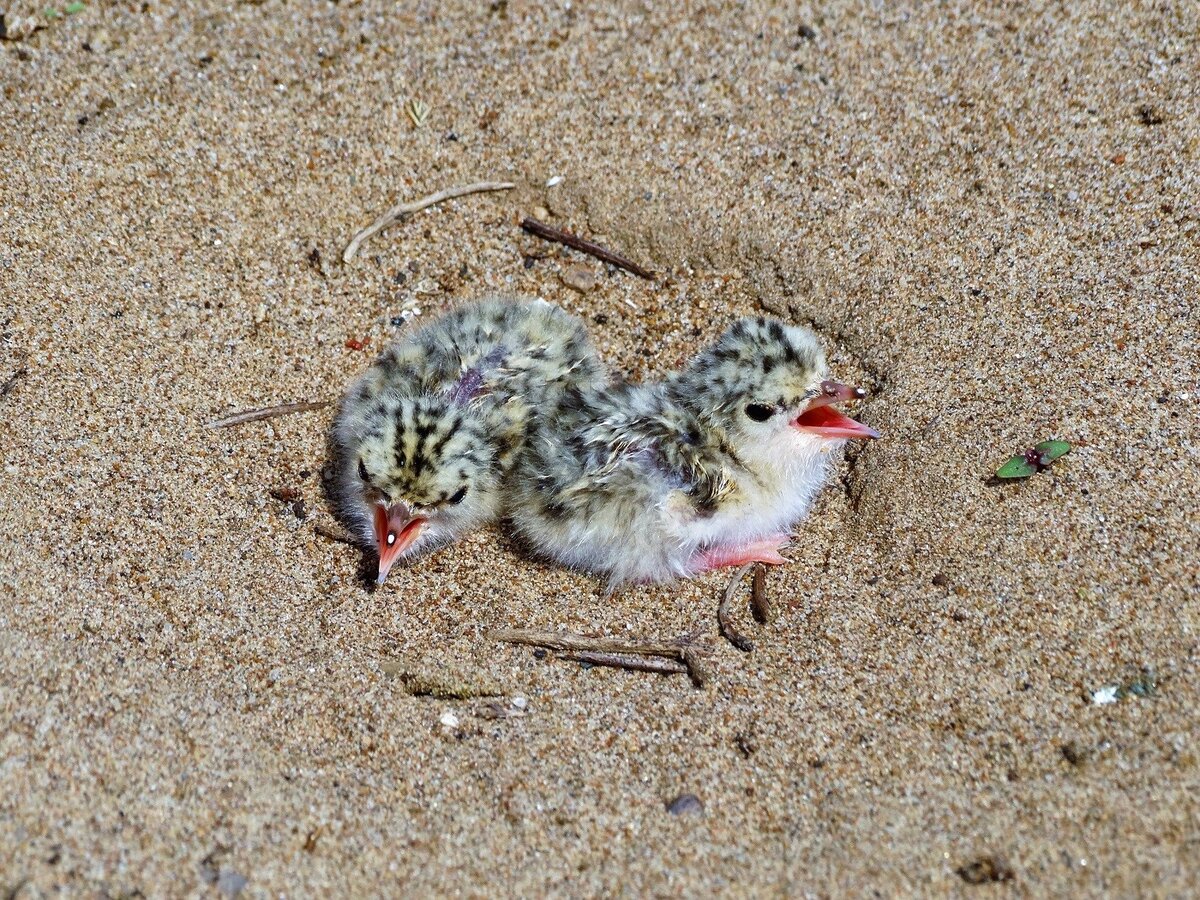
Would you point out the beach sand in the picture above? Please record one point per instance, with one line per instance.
(987, 212)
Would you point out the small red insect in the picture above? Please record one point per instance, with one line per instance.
(356, 344)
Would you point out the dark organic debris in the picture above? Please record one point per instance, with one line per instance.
(1074, 753)
(746, 744)
(985, 869)
(1150, 115)
(12, 381)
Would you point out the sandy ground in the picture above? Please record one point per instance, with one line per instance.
(989, 214)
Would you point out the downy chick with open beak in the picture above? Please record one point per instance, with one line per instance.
(424, 438)
(711, 467)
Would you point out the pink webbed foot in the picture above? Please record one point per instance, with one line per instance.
(763, 551)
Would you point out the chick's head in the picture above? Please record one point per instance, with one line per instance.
(766, 386)
(424, 472)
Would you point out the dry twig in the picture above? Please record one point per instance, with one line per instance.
(550, 233)
(697, 668)
(685, 653)
(269, 412)
(636, 663)
(738, 640)
(557, 640)
(760, 603)
(335, 534)
(403, 209)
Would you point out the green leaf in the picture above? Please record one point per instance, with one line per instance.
(75, 7)
(1052, 450)
(1016, 467)
(51, 13)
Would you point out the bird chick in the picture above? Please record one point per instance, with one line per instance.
(710, 467)
(423, 440)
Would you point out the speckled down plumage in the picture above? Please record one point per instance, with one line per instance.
(437, 420)
(654, 482)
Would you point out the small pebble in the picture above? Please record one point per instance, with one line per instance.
(579, 278)
(449, 719)
(18, 28)
(1105, 696)
(519, 702)
(554, 181)
(99, 41)
(230, 883)
(686, 805)
(540, 212)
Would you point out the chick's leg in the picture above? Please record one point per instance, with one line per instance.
(763, 551)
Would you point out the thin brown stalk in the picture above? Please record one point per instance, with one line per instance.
(760, 603)
(268, 412)
(697, 667)
(557, 640)
(550, 233)
(634, 663)
(724, 619)
(412, 206)
(334, 534)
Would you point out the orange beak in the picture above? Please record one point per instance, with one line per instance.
(822, 419)
(395, 531)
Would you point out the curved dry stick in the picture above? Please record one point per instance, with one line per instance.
(760, 603)
(413, 206)
(738, 640)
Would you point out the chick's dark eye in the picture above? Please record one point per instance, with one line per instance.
(459, 495)
(760, 412)
(362, 471)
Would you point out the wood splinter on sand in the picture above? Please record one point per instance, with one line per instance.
(550, 233)
(601, 651)
(760, 603)
(724, 620)
(267, 412)
(402, 209)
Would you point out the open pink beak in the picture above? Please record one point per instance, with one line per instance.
(395, 531)
(820, 418)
